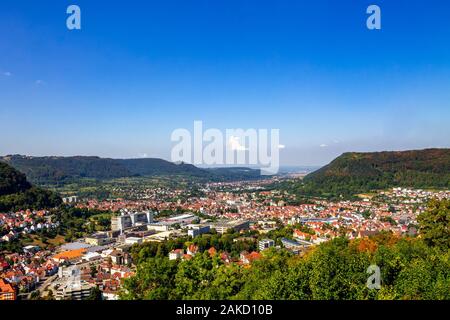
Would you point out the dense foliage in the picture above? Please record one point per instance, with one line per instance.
(333, 270)
(16, 193)
(34, 198)
(78, 222)
(435, 224)
(11, 180)
(353, 173)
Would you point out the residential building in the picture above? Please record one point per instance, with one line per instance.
(98, 239)
(120, 223)
(71, 256)
(236, 225)
(128, 220)
(176, 254)
(7, 291)
(265, 244)
(79, 290)
(196, 230)
(247, 258)
(192, 250)
(133, 240)
(295, 246)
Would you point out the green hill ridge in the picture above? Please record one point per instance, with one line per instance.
(356, 172)
(51, 170)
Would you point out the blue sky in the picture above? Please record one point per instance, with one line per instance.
(140, 69)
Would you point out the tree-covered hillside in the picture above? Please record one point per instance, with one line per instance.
(60, 170)
(361, 172)
(43, 170)
(17, 193)
(11, 180)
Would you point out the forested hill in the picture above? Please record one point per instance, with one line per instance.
(42, 170)
(49, 170)
(16, 193)
(360, 172)
(11, 180)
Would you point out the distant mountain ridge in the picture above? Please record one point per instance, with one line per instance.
(47, 170)
(355, 172)
(155, 166)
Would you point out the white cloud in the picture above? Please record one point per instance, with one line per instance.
(323, 145)
(7, 73)
(235, 144)
(39, 82)
(281, 146)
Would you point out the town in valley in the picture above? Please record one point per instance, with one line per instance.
(251, 211)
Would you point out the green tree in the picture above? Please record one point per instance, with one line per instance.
(95, 294)
(434, 224)
(154, 280)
